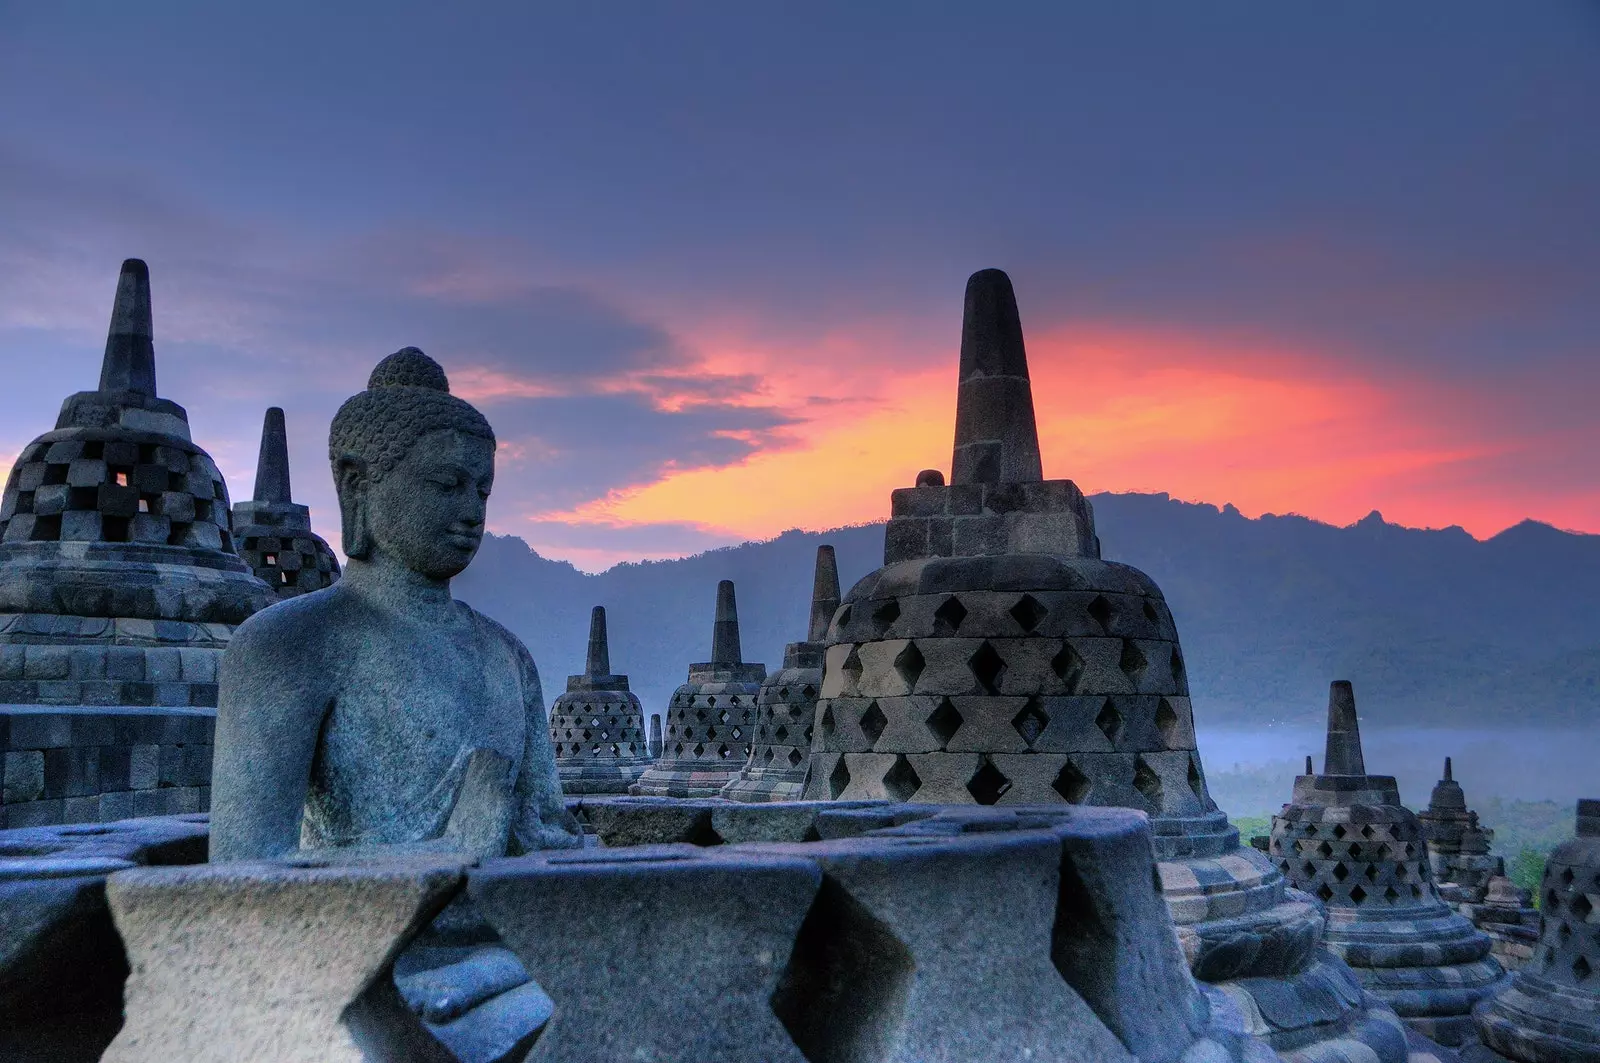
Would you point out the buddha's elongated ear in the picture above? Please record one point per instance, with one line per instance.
(351, 480)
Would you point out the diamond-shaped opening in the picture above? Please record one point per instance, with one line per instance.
(1308, 869)
(843, 994)
(809, 692)
(1109, 721)
(783, 693)
(828, 726)
(1100, 611)
(1068, 666)
(723, 717)
(1566, 876)
(1167, 723)
(594, 721)
(988, 784)
(1072, 784)
(1148, 783)
(737, 734)
(794, 757)
(901, 781)
(711, 701)
(1355, 850)
(1325, 892)
(1552, 902)
(1366, 832)
(1133, 662)
(1581, 969)
(838, 779)
(711, 734)
(885, 615)
(699, 749)
(766, 757)
(700, 714)
(1197, 782)
(1338, 830)
(1391, 894)
(1177, 667)
(873, 721)
(781, 734)
(1341, 872)
(1372, 872)
(1151, 614)
(1028, 612)
(1030, 722)
(947, 618)
(909, 663)
(723, 752)
(988, 667)
(944, 721)
(1357, 894)
(1564, 932)
(1581, 907)
(1326, 850)
(852, 665)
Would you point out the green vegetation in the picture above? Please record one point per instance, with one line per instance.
(1524, 834)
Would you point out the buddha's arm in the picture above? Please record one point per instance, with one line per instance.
(269, 711)
(543, 821)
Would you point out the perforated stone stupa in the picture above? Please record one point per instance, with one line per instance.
(1551, 1011)
(711, 718)
(119, 584)
(1347, 839)
(1472, 880)
(597, 726)
(273, 533)
(787, 705)
(995, 658)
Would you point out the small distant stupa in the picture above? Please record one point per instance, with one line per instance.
(597, 726)
(787, 703)
(1346, 839)
(273, 532)
(119, 583)
(711, 718)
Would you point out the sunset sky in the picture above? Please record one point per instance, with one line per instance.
(701, 264)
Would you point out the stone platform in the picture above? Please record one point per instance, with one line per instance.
(760, 932)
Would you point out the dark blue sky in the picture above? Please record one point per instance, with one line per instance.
(653, 239)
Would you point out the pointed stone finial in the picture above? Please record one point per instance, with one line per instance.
(824, 594)
(655, 735)
(1344, 733)
(599, 649)
(272, 465)
(1309, 769)
(997, 439)
(725, 631)
(130, 361)
(1449, 776)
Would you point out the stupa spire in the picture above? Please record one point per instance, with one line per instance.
(1449, 776)
(725, 630)
(599, 650)
(824, 594)
(1343, 755)
(997, 439)
(272, 465)
(130, 360)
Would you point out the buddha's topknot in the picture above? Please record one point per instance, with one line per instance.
(407, 397)
(408, 368)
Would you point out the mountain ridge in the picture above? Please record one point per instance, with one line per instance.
(1434, 626)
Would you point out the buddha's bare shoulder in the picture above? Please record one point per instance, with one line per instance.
(499, 633)
(306, 630)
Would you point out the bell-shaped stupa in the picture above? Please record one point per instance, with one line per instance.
(1346, 839)
(119, 580)
(597, 726)
(996, 658)
(1550, 1013)
(273, 533)
(787, 705)
(711, 718)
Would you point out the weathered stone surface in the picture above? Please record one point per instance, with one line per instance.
(380, 710)
(220, 953)
(704, 936)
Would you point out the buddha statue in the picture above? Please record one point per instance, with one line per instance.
(381, 711)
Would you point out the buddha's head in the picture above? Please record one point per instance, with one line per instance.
(413, 466)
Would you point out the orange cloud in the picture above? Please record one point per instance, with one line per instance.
(1271, 428)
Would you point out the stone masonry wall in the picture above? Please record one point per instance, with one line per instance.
(93, 765)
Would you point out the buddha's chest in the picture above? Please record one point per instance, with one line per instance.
(420, 702)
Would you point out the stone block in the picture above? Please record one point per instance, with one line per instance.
(176, 506)
(125, 663)
(80, 525)
(281, 953)
(46, 813)
(105, 692)
(59, 692)
(115, 767)
(12, 661)
(86, 472)
(880, 970)
(73, 771)
(144, 767)
(39, 730)
(199, 665)
(51, 499)
(151, 802)
(116, 500)
(47, 662)
(204, 534)
(23, 775)
(80, 809)
(87, 662)
(115, 806)
(707, 939)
